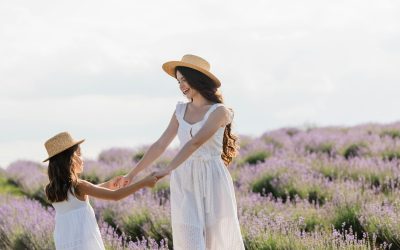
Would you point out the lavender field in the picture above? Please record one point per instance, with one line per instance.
(317, 188)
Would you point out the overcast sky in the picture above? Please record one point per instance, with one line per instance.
(94, 67)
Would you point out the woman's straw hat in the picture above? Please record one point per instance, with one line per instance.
(59, 143)
(194, 62)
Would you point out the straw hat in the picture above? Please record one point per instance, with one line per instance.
(193, 62)
(59, 143)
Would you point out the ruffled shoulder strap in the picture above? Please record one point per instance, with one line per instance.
(214, 107)
(180, 110)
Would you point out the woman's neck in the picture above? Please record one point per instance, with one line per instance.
(200, 101)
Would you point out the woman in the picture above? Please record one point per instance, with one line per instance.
(203, 204)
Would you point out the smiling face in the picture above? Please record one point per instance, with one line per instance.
(184, 86)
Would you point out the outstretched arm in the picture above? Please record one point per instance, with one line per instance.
(157, 148)
(87, 188)
(219, 118)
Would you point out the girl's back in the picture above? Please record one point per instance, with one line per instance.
(76, 226)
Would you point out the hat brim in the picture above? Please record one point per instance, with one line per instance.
(169, 68)
(70, 146)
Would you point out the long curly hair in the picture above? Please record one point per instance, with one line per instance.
(62, 177)
(207, 88)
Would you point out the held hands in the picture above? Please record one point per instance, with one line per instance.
(160, 174)
(119, 182)
(123, 181)
(151, 180)
(114, 183)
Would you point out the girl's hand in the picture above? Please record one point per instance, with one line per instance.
(150, 181)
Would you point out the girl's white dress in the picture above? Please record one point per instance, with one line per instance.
(76, 226)
(203, 203)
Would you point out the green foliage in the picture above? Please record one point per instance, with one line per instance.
(91, 177)
(138, 156)
(346, 217)
(269, 184)
(391, 155)
(161, 189)
(273, 142)
(393, 133)
(327, 148)
(292, 132)
(137, 224)
(141, 223)
(355, 150)
(9, 187)
(256, 157)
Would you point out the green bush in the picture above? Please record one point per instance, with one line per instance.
(137, 224)
(9, 187)
(264, 186)
(327, 148)
(91, 177)
(346, 217)
(256, 157)
(142, 223)
(292, 132)
(355, 150)
(138, 156)
(391, 155)
(393, 133)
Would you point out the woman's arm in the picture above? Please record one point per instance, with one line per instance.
(219, 118)
(87, 188)
(157, 148)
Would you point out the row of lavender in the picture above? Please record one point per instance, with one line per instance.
(318, 188)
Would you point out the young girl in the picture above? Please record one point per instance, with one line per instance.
(203, 204)
(76, 226)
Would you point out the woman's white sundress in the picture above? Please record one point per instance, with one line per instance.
(203, 203)
(76, 226)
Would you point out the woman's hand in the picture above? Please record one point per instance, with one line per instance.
(160, 174)
(114, 182)
(150, 181)
(124, 181)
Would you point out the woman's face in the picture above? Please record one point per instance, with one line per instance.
(77, 161)
(185, 87)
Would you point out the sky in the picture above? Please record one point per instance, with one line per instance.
(94, 67)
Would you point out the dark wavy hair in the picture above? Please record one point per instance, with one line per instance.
(62, 177)
(209, 91)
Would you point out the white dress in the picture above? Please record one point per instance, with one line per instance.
(76, 226)
(203, 203)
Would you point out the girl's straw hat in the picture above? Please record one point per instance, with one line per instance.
(59, 143)
(193, 62)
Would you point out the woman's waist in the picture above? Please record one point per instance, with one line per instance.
(204, 156)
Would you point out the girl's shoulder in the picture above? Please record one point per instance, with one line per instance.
(81, 186)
